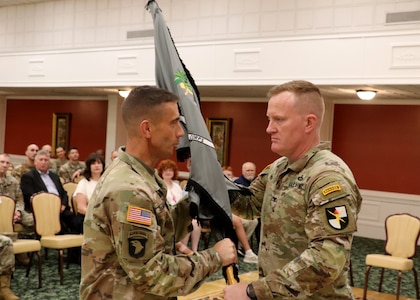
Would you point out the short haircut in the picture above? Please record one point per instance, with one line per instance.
(141, 104)
(308, 96)
(42, 152)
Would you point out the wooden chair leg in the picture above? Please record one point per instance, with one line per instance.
(366, 282)
(60, 265)
(39, 269)
(416, 283)
(399, 284)
(381, 280)
(351, 274)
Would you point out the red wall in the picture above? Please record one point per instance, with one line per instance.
(30, 121)
(381, 144)
(248, 139)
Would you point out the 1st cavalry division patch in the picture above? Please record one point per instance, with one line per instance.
(337, 217)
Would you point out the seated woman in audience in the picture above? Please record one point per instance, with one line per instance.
(168, 170)
(94, 169)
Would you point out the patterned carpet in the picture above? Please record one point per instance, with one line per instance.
(27, 288)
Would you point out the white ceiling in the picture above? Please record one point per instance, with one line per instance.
(333, 92)
(18, 2)
(247, 93)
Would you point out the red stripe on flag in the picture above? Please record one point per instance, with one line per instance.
(139, 215)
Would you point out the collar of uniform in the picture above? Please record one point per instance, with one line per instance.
(139, 167)
(298, 165)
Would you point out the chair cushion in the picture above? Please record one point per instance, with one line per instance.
(23, 246)
(62, 241)
(388, 261)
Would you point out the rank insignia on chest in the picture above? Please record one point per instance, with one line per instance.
(139, 215)
(337, 217)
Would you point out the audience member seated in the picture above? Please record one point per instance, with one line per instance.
(168, 171)
(249, 171)
(84, 190)
(9, 186)
(114, 154)
(28, 164)
(61, 159)
(40, 179)
(228, 171)
(249, 255)
(73, 168)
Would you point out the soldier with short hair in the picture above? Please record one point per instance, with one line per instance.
(130, 233)
(9, 186)
(308, 200)
(28, 164)
(7, 267)
(73, 168)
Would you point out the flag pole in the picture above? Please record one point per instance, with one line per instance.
(206, 184)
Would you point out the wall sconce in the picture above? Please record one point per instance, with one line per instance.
(366, 95)
(123, 93)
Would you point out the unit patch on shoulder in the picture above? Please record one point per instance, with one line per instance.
(330, 189)
(139, 215)
(337, 217)
(136, 244)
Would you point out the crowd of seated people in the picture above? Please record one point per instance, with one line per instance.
(40, 171)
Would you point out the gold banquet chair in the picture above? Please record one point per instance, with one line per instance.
(70, 187)
(46, 208)
(402, 234)
(7, 210)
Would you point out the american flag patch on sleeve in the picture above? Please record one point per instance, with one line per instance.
(139, 215)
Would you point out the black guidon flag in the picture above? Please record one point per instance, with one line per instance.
(206, 185)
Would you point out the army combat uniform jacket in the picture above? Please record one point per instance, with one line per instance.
(308, 217)
(129, 239)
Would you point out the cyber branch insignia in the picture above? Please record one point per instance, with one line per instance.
(337, 217)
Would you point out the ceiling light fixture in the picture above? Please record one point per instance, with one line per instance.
(123, 93)
(366, 95)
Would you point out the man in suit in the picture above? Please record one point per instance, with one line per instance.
(41, 179)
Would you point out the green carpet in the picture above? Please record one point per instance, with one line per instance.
(27, 288)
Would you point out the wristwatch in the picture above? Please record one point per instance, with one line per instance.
(250, 292)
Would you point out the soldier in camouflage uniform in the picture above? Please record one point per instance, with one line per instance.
(28, 165)
(73, 168)
(61, 159)
(129, 232)
(7, 267)
(308, 201)
(9, 186)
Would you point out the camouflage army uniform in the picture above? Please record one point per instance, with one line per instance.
(129, 239)
(9, 186)
(21, 169)
(7, 256)
(56, 164)
(308, 216)
(67, 170)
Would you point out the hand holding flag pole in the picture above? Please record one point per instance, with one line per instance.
(206, 185)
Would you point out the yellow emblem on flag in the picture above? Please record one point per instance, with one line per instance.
(139, 215)
(330, 189)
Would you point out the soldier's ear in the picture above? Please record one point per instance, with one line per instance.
(146, 128)
(311, 122)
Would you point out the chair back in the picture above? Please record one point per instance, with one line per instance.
(402, 233)
(46, 208)
(70, 187)
(7, 211)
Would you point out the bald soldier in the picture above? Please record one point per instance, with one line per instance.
(308, 200)
(129, 232)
